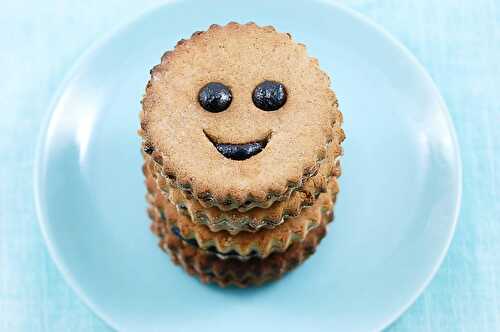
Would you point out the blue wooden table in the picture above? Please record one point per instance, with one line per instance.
(458, 41)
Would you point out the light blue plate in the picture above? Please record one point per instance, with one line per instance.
(395, 218)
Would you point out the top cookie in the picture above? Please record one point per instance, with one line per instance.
(239, 115)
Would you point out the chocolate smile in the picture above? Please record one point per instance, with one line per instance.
(241, 151)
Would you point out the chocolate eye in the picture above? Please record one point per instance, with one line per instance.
(215, 97)
(269, 96)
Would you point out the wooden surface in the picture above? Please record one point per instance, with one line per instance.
(458, 41)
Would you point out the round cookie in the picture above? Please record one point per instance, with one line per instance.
(222, 143)
(243, 245)
(225, 272)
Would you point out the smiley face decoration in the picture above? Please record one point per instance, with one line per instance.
(241, 138)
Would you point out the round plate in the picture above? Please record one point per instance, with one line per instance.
(400, 188)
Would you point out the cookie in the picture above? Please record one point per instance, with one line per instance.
(225, 272)
(243, 245)
(239, 116)
(235, 221)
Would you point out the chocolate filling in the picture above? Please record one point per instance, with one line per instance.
(213, 249)
(239, 151)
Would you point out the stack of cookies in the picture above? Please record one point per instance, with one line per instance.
(241, 136)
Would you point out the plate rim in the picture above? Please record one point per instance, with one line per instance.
(121, 26)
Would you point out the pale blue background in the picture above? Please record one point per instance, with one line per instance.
(457, 41)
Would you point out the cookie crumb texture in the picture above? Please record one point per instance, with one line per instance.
(182, 137)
